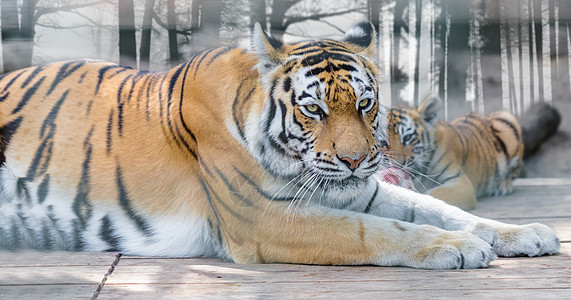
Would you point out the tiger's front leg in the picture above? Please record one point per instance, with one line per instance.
(506, 239)
(320, 235)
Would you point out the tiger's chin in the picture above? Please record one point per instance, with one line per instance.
(344, 190)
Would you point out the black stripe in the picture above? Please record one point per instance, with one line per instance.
(50, 119)
(78, 228)
(451, 177)
(184, 124)
(232, 189)
(370, 204)
(212, 205)
(102, 72)
(185, 144)
(345, 67)
(318, 70)
(121, 104)
(284, 134)
(7, 86)
(4, 97)
(64, 72)
(6, 133)
(109, 132)
(173, 80)
(275, 145)
(305, 46)
(259, 189)
(107, 234)
(227, 208)
(82, 77)
(236, 109)
(23, 190)
(170, 123)
(215, 56)
(510, 125)
(307, 52)
(149, 85)
(43, 189)
(271, 114)
(47, 238)
(325, 55)
(200, 61)
(442, 171)
(125, 203)
(31, 77)
(42, 158)
(463, 144)
(124, 69)
(503, 148)
(28, 95)
(143, 88)
(81, 206)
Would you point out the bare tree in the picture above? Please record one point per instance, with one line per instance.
(173, 43)
(10, 35)
(207, 36)
(145, 48)
(258, 13)
(18, 27)
(278, 16)
(17, 35)
(127, 41)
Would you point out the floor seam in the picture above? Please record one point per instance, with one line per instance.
(109, 272)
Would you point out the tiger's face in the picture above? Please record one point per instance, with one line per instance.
(411, 135)
(323, 118)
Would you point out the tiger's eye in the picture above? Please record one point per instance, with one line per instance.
(364, 103)
(312, 108)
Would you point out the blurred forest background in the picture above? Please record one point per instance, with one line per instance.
(479, 55)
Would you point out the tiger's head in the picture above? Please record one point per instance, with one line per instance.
(322, 115)
(411, 134)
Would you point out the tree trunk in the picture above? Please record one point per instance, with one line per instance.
(397, 75)
(127, 41)
(208, 36)
(173, 43)
(27, 31)
(258, 13)
(10, 35)
(458, 57)
(195, 21)
(145, 49)
(373, 7)
(277, 18)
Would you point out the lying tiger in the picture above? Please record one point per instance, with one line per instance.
(261, 155)
(471, 156)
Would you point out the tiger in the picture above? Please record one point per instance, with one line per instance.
(470, 157)
(262, 154)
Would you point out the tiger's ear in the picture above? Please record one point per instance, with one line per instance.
(364, 39)
(267, 49)
(429, 108)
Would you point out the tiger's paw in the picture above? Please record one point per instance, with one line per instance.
(456, 250)
(512, 240)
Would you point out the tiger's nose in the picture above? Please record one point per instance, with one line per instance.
(352, 164)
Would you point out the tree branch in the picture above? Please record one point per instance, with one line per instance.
(40, 11)
(184, 32)
(72, 27)
(293, 20)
